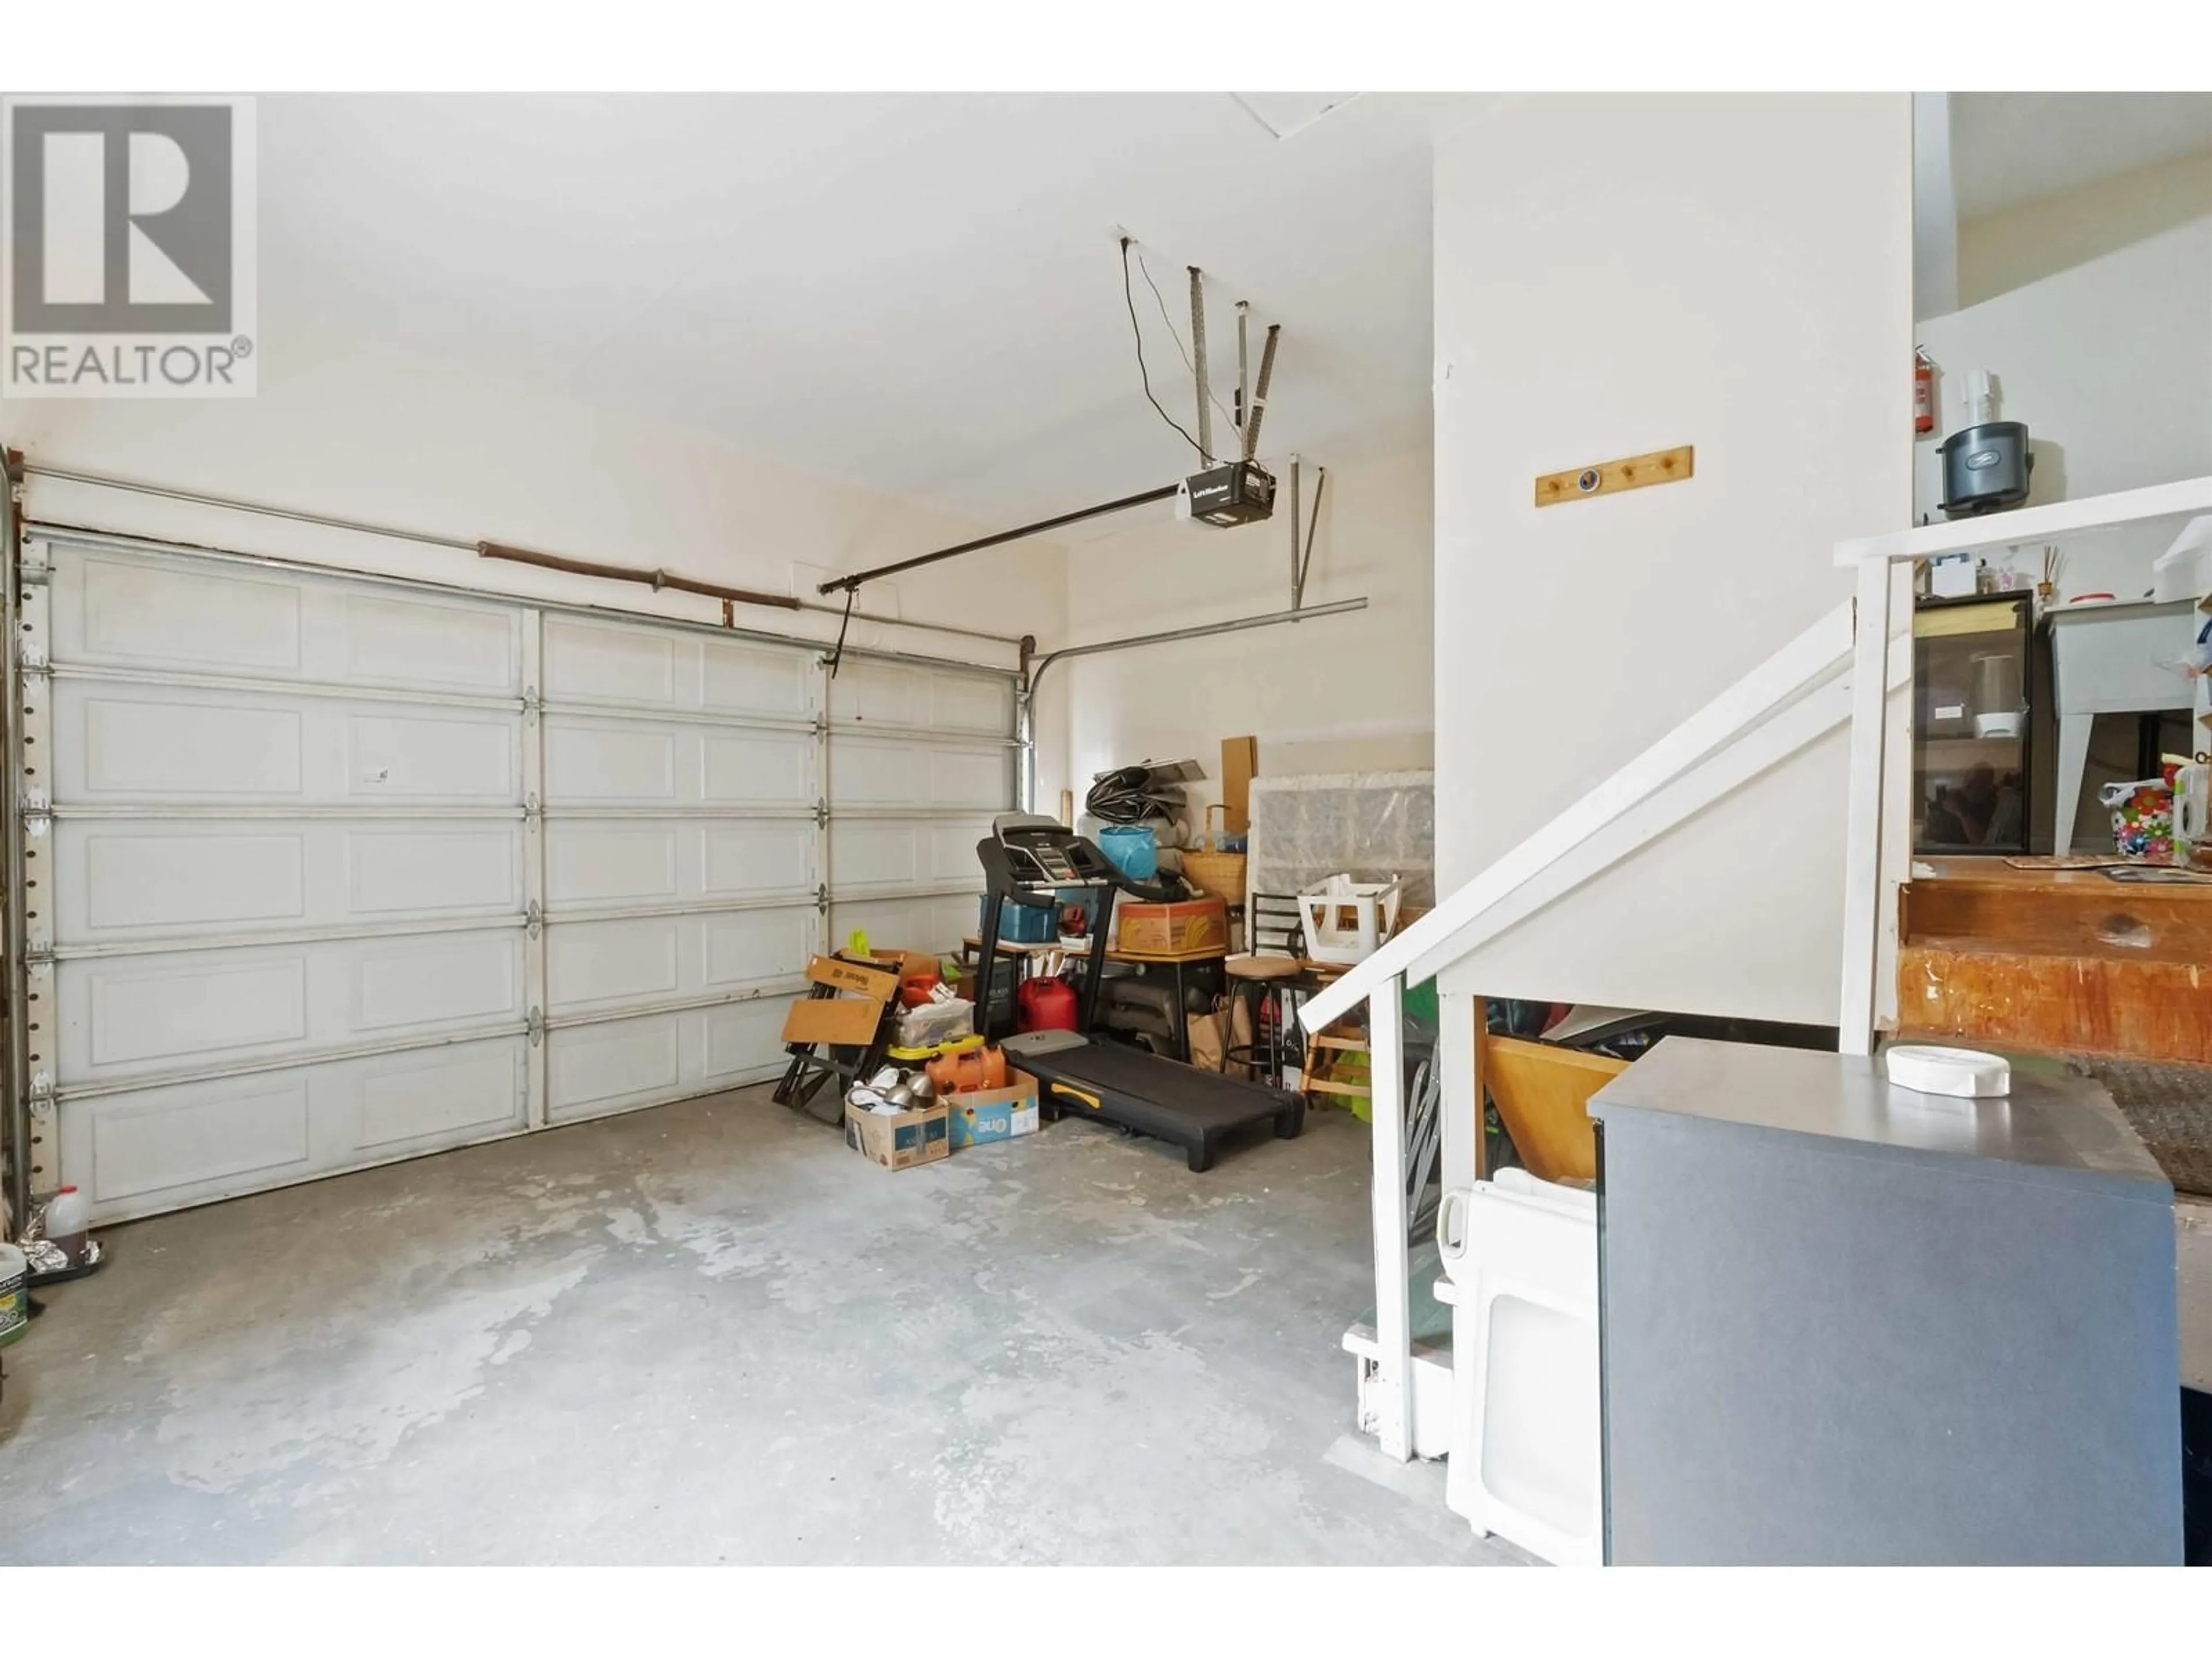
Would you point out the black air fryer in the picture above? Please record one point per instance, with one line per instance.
(1985, 468)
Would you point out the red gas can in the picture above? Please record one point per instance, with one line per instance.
(1045, 1005)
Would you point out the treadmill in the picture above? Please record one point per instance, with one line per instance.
(1032, 861)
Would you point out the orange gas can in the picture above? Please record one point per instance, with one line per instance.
(966, 1069)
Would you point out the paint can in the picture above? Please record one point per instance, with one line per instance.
(14, 1295)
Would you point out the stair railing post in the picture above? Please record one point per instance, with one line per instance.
(1862, 817)
(1394, 1313)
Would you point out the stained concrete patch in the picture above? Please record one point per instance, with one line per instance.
(708, 1332)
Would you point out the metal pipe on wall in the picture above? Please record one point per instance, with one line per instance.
(427, 539)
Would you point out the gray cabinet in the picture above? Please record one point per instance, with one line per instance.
(1842, 1321)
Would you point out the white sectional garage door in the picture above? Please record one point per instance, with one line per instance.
(336, 872)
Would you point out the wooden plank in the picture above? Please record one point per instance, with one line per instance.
(2074, 912)
(1610, 478)
(1240, 764)
(876, 982)
(1951, 622)
(2152, 1011)
(849, 1022)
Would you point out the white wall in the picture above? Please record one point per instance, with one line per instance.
(349, 428)
(1622, 274)
(1338, 693)
(2097, 320)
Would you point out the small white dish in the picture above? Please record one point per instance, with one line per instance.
(1967, 1073)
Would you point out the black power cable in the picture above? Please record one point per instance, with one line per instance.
(1129, 298)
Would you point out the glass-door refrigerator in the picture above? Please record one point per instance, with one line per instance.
(1971, 746)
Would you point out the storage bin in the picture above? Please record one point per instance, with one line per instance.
(1020, 924)
(934, 1023)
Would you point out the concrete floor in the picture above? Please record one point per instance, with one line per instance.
(709, 1332)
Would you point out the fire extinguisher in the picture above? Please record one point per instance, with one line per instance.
(1923, 390)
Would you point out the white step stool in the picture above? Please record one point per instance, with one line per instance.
(1520, 1259)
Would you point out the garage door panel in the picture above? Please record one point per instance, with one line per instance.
(179, 1011)
(428, 757)
(124, 744)
(738, 679)
(150, 613)
(593, 966)
(757, 768)
(619, 1065)
(145, 1151)
(648, 667)
(611, 862)
(740, 860)
(411, 985)
(869, 854)
(140, 879)
(605, 763)
(597, 964)
(888, 773)
(591, 661)
(590, 1069)
(133, 1147)
(906, 695)
(616, 863)
(745, 948)
(437, 871)
(609, 761)
(422, 645)
(119, 745)
(125, 611)
(120, 880)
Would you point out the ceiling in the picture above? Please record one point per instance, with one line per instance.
(2007, 148)
(920, 293)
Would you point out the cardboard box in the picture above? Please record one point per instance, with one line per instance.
(848, 1019)
(900, 1142)
(982, 1115)
(1191, 927)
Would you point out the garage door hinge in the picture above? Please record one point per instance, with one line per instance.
(37, 812)
(41, 1099)
(537, 919)
(31, 657)
(820, 813)
(822, 898)
(536, 1026)
(531, 811)
(36, 956)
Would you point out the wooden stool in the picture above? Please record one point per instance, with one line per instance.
(1346, 1036)
(1253, 981)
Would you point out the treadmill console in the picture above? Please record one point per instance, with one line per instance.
(1030, 853)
